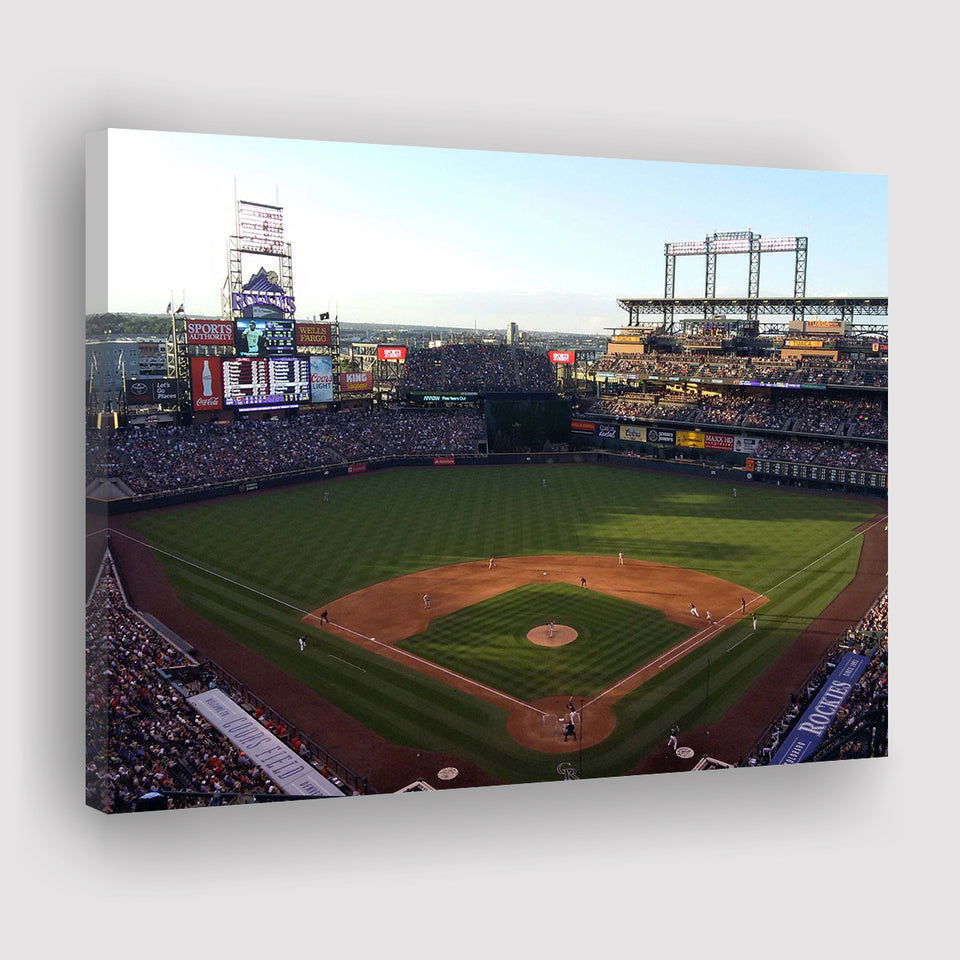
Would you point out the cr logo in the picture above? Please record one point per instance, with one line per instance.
(568, 771)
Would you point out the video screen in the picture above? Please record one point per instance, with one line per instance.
(263, 337)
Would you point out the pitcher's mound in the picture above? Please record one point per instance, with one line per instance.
(561, 635)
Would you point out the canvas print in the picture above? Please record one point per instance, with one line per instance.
(411, 469)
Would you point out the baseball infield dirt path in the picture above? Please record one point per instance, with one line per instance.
(380, 616)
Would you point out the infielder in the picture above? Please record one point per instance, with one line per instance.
(672, 741)
(620, 558)
(754, 621)
(426, 601)
(693, 609)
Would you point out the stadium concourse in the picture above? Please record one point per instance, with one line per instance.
(148, 745)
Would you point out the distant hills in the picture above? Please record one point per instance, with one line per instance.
(158, 325)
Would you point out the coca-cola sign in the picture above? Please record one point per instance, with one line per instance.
(206, 383)
(209, 333)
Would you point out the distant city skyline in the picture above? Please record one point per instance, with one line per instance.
(464, 238)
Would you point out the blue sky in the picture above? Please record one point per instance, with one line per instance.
(458, 238)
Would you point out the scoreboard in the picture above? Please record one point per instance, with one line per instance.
(870, 479)
(248, 382)
(289, 377)
(245, 383)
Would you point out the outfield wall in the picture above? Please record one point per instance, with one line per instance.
(716, 465)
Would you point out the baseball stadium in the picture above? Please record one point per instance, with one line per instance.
(318, 570)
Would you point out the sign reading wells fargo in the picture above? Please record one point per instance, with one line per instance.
(312, 334)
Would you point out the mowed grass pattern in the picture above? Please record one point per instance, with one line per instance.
(255, 564)
(488, 641)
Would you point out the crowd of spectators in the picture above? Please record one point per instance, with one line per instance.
(823, 415)
(479, 367)
(160, 457)
(143, 736)
(859, 728)
(872, 373)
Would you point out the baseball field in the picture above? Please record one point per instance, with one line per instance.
(401, 687)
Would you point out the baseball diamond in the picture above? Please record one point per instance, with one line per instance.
(400, 691)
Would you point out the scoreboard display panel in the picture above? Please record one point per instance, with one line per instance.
(245, 383)
(263, 337)
(289, 377)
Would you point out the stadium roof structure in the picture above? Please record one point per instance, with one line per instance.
(846, 308)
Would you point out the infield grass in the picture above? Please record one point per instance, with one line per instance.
(488, 641)
(254, 565)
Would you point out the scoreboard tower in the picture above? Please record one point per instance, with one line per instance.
(262, 308)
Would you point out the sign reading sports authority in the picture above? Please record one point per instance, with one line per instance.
(210, 333)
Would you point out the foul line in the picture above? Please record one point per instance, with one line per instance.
(430, 663)
(681, 649)
(310, 615)
(347, 662)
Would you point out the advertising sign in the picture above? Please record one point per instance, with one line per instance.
(139, 391)
(262, 303)
(562, 356)
(210, 333)
(630, 432)
(809, 730)
(689, 438)
(312, 334)
(746, 445)
(718, 441)
(659, 435)
(443, 461)
(286, 768)
(607, 431)
(356, 382)
(261, 338)
(582, 426)
(151, 391)
(321, 379)
(391, 353)
(206, 383)
(357, 468)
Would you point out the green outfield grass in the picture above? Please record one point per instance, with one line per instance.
(254, 565)
(488, 641)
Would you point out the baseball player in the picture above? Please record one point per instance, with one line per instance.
(743, 605)
(550, 626)
(583, 581)
(324, 618)
(754, 621)
(491, 564)
(326, 496)
(426, 601)
(693, 609)
(709, 617)
(303, 643)
(672, 741)
(569, 731)
(620, 558)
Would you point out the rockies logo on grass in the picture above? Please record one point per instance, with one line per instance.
(568, 771)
